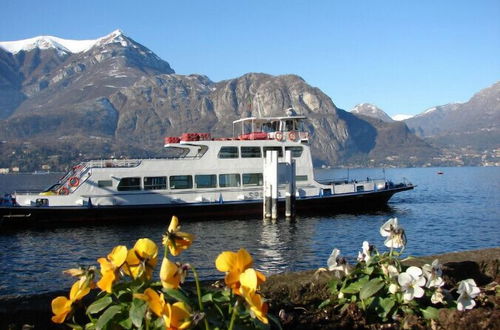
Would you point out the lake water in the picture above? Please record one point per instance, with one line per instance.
(458, 210)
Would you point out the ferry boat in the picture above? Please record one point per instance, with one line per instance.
(205, 178)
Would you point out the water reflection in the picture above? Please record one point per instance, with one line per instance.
(455, 211)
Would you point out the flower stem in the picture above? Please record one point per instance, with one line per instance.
(233, 316)
(198, 292)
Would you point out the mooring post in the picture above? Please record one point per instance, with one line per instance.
(274, 184)
(270, 200)
(290, 190)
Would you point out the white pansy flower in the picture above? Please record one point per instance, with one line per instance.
(468, 290)
(365, 254)
(393, 288)
(437, 297)
(395, 234)
(433, 274)
(411, 283)
(390, 270)
(337, 263)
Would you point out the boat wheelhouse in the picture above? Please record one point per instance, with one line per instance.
(205, 176)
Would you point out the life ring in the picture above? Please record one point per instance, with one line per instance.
(292, 136)
(278, 136)
(74, 181)
(63, 191)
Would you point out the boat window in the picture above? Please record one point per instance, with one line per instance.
(301, 178)
(290, 125)
(279, 149)
(296, 151)
(229, 180)
(155, 183)
(206, 181)
(104, 183)
(127, 184)
(250, 152)
(252, 179)
(181, 182)
(228, 152)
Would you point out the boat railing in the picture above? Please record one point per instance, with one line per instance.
(113, 163)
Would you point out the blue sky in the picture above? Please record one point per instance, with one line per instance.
(403, 56)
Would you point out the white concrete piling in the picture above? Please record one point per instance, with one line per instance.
(290, 187)
(275, 173)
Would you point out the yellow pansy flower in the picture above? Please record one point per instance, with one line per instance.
(171, 275)
(110, 267)
(250, 280)
(234, 264)
(176, 240)
(142, 259)
(62, 306)
(175, 316)
(258, 308)
(178, 316)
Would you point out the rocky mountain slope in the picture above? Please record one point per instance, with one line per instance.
(63, 101)
(475, 123)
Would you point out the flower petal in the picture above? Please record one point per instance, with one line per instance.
(244, 260)
(169, 274)
(180, 316)
(404, 279)
(249, 280)
(174, 224)
(146, 248)
(61, 306)
(118, 255)
(225, 261)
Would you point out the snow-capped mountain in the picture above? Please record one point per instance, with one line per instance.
(371, 110)
(53, 72)
(473, 123)
(59, 44)
(401, 117)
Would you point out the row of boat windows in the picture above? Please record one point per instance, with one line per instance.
(187, 182)
(256, 152)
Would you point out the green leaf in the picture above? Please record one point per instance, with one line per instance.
(387, 304)
(138, 311)
(107, 317)
(368, 270)
(99, 305)
(127, 324)
(324, 303)
(177, 295)
(222, 297)
(90, 326)
(207, 297)
(333, 285)
(275, 321)
(430, 313)
(370, 288)
(355, 286)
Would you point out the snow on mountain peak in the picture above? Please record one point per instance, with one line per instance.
(62, 45)
(401, 117)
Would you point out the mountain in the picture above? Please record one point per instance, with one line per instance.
(63, 101)
(391, 143)
(474, 124)
(370, 110)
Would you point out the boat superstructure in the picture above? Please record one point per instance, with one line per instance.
(204, 174)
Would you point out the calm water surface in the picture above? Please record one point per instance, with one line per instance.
(459, 210)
